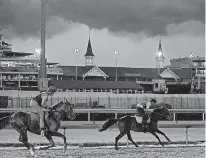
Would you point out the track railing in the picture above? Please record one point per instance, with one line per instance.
(110, 111)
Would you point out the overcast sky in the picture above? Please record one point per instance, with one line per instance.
(131, 26)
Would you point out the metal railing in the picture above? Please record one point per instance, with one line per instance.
(113, 102)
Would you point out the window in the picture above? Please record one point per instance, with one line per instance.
(156, 85)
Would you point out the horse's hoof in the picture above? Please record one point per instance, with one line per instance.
(117, 148)
(64, 149)
(31, 150)
(100, 130)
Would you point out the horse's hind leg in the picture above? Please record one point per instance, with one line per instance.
(130, 138)
(23, 136)
(118, 138)
(162, 133)
(24, 139)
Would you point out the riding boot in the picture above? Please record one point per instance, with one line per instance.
(144, 125)
(144, 129)
(42, 125)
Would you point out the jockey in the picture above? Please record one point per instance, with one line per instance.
(40, 100)
(141, 107)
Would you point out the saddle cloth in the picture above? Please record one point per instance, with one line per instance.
(139, 119)
(35, 116)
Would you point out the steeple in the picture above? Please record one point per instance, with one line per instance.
(160, 56)
(89, 56)
(160, 46)
(1, 35)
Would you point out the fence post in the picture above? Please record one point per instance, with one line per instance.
(187, 134)
(115, 115)
(174, 118)
(203, 116)
(89, 116)
(109, 103)
(117, 102)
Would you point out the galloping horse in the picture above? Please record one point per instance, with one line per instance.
(128, 123)
(25, 121)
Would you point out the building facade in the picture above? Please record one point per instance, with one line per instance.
(197, 70)
(20, 71)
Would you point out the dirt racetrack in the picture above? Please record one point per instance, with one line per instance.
(131, 152)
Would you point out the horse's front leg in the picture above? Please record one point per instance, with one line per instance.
(49, 138)
(162, 133)
(153, 133)
(58, 134)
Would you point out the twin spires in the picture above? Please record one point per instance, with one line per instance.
(89, 56)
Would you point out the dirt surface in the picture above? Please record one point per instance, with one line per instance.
(131, 152)
(82, 136)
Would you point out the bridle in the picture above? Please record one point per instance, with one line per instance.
(158, 113)
(65, 110)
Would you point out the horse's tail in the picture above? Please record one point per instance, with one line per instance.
(108, 124)
(5, 121)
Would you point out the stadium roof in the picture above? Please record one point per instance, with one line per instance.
(66, 84)
(16, 54)
(126, 72)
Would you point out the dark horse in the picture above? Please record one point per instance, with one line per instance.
(128, 123)
(29, 121)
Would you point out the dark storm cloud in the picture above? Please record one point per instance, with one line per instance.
(149, 16)
(22, 16)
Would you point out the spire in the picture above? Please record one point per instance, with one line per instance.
(160, 46)
(160, 52)
(89, 48)
(1, 34)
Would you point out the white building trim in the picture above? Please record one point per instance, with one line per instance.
(169, 74)
(95, 71)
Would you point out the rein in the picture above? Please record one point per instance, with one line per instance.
(61, 112)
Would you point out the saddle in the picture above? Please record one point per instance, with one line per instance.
(35, 116)
(139, 119)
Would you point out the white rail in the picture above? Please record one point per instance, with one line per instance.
(114, 111)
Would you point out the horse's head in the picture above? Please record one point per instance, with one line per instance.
(160, 113)
(65, 108)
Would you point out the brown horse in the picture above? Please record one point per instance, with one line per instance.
(29, 121)
(128, 123)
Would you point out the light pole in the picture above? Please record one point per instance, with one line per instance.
(43, 81)
(76, 52)
(116, 52)
(191, 67)
(43, 34)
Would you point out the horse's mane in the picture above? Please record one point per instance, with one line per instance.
(54, 107)
(160, 105)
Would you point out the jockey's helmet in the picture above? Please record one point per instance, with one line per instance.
(52, 89)
(140, 106)
(153, 101)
